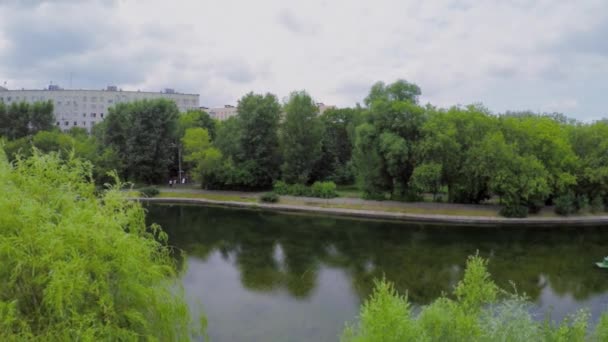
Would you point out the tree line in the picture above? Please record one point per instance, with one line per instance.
(392, 147)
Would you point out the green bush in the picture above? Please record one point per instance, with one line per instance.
(597, 204)
(76, 266)
(566, 204)
(480, 311)
(269, 197)
(514, 211)
(281, 188)
(324, 190)
(149, 191)
(318, 189)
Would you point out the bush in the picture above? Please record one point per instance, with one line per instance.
(597, 204)
(269, 197)
(514, 211)
(318, 189)
(324, 190)
(149, 191)
(566, 204)
(76, 266)
(477, 313)
(281, 188)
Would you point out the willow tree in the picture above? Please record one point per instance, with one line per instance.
(75, 265)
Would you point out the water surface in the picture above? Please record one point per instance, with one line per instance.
(265, 276)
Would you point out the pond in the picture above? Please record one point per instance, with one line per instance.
(266, 276)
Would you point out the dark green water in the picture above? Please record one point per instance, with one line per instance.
(264, 276)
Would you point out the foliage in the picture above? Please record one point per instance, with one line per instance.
(300, 138)
(269, 197)
(199, 150)
(337, 141)
(514, 210)
(149, 191)
(323, 190)
(21, 119)
(79, 267)
(143, 134)
(565, 204)
(477, 313)
(318, 189)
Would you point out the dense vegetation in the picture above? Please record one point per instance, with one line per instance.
(477, 311)
(81, 265)
(392, 147)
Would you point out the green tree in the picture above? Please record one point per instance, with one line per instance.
(196, 118)
(79, 267)
(199, 151)
(300, 138)
(144, 135)
(337, 143)
(21, 119)
(258, 156)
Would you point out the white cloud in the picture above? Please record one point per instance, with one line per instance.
(507, 54)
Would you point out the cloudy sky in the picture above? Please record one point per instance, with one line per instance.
(547, 55)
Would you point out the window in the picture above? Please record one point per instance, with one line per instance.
(66, 123)
(92, 123)
(75, 123)
(59, 103)
(101, 115)
(57, 123)
(84, 123)
(84, 115)
(93, 115)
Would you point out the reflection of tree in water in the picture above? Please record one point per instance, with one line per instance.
(278, 251)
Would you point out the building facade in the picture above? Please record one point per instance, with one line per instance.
(222, 113)
(85, 108)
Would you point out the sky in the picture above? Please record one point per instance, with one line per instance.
(544, 56)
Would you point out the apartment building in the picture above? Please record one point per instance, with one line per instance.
(84, 108)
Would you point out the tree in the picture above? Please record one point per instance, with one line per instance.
(396, 137)
(196, 118)
(21, 119)
(199, 151)
(427, 178)
(337, 143)
(79, 267)
(400, 90)
(258, 156)
(300, 138)
(144, 135)
(450, 139)
(41, 117)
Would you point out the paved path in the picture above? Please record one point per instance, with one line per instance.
(490, 208)
(397, 216)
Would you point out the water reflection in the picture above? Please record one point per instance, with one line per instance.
(275, 251)
(311, 273)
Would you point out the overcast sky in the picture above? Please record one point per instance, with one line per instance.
(509, 55)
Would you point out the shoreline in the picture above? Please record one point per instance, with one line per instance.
(454, 220)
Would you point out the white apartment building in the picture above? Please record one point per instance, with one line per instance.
(222, 113)
(84, 108)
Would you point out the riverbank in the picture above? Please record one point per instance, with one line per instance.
(434, 213)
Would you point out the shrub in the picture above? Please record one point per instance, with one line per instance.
(80, 267)
(324, 190)
(299, 190)
(149, 191)
(269, 197)
(565, 204)
(281, 188)
(477, 314)
(514, 211)
(597, 204)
